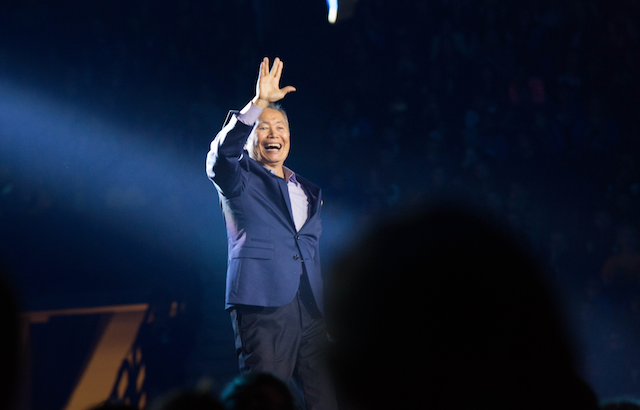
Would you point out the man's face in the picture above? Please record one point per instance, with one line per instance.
(272, 139)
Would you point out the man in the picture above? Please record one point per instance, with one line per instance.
(274, 287)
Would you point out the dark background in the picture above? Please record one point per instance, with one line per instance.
(527, 109)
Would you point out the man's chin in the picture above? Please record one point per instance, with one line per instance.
(269, 163)
(272, 160)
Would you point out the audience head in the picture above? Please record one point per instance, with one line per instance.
(257, 391)
(620, 404)
(446, 308)
(187, 400)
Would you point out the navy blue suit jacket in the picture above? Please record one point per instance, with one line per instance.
(265, 253)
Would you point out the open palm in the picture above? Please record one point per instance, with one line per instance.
(268, 85)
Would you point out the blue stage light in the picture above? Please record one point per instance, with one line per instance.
(333, 11)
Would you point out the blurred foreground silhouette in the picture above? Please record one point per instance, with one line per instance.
(445, 309)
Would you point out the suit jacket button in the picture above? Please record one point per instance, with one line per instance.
(296, 257)
(297, 237)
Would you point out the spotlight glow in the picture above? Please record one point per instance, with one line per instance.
(127, 182)
(333, 11)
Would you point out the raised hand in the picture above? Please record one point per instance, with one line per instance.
(268, 85)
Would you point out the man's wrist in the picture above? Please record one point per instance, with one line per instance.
(259, 102)
(249, 114)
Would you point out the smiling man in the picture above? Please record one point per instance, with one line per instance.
(274, 286)
(269, 143)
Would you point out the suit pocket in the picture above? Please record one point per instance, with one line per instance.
(253, 252)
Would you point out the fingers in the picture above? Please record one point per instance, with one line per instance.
(277, 68)
(274, 69)
(268, 85)
(288, 89)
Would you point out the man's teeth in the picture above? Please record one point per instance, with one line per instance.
(273, 146)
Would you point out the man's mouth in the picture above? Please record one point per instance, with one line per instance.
(273, 147)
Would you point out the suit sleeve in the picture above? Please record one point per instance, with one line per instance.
(225, 158)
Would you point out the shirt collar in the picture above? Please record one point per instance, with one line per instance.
(289, 175)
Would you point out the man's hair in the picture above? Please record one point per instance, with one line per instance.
(278, 107)
(252, 140)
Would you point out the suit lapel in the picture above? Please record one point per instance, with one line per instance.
(285, 195)
(310, 189)
(312, 192)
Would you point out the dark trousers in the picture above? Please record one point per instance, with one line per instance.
(289, 342)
